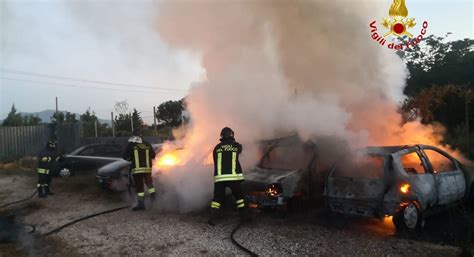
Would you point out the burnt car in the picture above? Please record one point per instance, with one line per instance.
(89, 157)
(408, 183)
(115, 175)
(283, 177)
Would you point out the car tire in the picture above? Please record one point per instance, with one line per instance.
(65, 172)
(408, 218)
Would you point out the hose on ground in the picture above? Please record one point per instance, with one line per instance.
(241, 247)
(83, 218)
(19, 201)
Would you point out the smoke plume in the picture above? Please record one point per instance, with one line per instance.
(274, 67)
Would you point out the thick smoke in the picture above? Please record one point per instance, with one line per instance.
(274, 67)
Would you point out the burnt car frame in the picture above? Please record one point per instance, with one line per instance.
(284, 176)
(409, 183)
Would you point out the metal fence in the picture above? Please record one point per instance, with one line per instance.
(117, 140)
(20, 141)
(29, 140)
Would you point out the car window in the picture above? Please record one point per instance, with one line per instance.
(99, 150)
(361, 166)
(439, 162)
(88, 151)
(412, 164)
(287, 157)
(113, 150)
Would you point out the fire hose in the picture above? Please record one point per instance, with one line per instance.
(19, 201)
(241, 247)
(33, 228)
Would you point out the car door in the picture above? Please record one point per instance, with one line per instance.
(356, 185)
(450, 181)
(85, 159)
(415, 165)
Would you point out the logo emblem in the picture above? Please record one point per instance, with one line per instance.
(398, 23)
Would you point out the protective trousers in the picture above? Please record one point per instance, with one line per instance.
(44, 179)
(219, 194)
(142, 179)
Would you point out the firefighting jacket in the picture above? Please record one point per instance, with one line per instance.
(226, 161)
(46, 159)
(141, 155)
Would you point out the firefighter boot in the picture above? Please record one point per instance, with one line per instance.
(47, 191)
(41, 192)
(244, 215)
(140, 206)
(213, 218)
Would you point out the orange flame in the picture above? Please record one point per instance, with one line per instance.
(398, 10)
(168, 159)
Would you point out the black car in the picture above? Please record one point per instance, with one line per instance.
(89, 157)
(115, 174)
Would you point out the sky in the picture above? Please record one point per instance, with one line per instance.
(93, 54)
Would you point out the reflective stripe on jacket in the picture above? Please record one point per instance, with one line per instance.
(226, 161)
(141, 156)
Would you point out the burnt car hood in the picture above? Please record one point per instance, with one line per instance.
(113, 167)
(258, 179)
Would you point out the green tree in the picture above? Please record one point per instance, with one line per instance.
(437, 62)
(88, 123)
(31, 120)
(170, 113)
(137, 119)
(13, 119)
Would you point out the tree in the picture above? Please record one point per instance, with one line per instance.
(436, 62)
(88, 123)
(170, 113)
(440, 87)
(137, 119)
(13, 119)
(31, 120)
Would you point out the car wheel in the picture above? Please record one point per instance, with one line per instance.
(408, 218)
(65, 172)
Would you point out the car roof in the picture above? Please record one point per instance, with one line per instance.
(385, 150)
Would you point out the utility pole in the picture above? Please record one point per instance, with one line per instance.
(131, 121)
(112, 120)
(466, 106)
(154, 120)
(95, 125)
(56, 105)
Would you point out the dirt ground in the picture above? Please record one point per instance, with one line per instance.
(155, 233)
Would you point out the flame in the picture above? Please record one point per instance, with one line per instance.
(405, 188)
(398, 10)
(168, 159)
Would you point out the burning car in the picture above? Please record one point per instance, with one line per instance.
(408, 183)
(283, 176)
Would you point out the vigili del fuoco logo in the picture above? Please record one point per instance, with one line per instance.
(398, 25)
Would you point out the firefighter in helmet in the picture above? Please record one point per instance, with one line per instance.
(140, 154)
(227, 173)
(46, 160)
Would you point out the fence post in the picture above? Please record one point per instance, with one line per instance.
(154, 121)
(95, 125)
(113, 127)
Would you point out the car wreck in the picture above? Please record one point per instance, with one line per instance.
(281, 179)
(408, 183)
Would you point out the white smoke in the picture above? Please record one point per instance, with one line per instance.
(276, 67)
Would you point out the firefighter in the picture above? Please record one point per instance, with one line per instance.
(46, 159)
(141, 154)
(227, 173)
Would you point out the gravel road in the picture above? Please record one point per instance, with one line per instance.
(156, 233)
